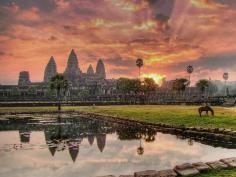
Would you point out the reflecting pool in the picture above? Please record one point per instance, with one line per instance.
(73, 146)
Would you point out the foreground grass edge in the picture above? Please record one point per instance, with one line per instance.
(172, 115)
(219, 173)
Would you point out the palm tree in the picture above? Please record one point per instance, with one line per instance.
(139, 64)
(60, 84)
(189, 71)
(140, 149)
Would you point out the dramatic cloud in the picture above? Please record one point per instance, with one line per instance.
(167, 34)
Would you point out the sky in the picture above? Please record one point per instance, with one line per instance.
(168, 35)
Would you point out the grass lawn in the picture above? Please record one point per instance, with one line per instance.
(222, 173)
(173, 115)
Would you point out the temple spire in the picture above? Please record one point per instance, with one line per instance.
(100, 70)
(72, 71)
(90, 70)
(50, 70)
(72, 62)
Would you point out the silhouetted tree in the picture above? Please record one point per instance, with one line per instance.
(128, 86)
(202, 85)
(60, 84)
(149, 85)
(139, 64)
(180, 84)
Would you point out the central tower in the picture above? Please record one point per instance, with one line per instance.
(72, 71)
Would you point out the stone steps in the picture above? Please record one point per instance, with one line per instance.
(185, 169)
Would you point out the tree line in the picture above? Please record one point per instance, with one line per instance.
(148, 85)
(126, 86)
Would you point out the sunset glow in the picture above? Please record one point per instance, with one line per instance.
(156, 77)
(167, 34)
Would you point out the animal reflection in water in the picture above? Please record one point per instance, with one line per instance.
(205, 109)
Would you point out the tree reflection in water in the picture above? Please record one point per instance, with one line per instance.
(136, 132)
(63, 133)
(68, 133)
(130, 133)
(140, 149)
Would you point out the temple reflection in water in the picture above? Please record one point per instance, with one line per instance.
(63, 134)
(48, 144)
(66, 133)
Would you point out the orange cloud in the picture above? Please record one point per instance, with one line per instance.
(208, 4)
(125, 28)
(29, 15)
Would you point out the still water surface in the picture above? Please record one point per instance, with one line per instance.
(72, 146)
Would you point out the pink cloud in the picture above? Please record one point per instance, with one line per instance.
(111, 28)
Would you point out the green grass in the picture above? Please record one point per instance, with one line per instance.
(173, 115)
(222, 173)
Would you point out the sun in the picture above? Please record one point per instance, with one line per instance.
(158, 78)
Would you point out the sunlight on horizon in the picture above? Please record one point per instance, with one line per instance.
(158, 78)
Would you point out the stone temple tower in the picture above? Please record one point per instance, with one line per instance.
(72, 71)
(24, 78)
(90, 71)
(100, 70)
(50, 70)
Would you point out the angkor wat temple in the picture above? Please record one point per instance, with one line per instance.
(92, 87)
(92, 82)
(73, 72)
